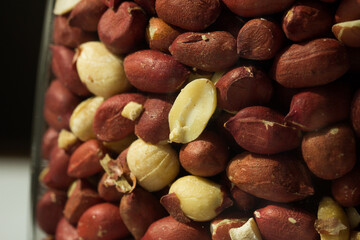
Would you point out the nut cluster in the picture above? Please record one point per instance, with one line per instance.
(193, 119)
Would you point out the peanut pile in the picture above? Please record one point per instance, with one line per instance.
(202, 119)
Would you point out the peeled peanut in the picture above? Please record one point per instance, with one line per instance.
(64, 6)
(221, 225)
(348, 32)
(247, 231)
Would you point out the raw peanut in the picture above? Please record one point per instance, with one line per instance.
(333, 147)
(243, 87)
(279, 178)
(121, 145)
(243, 200)
(206, 156)
(284, 223)
(62, 65)
(147, 5)
(259, 39)
(160, 35)
(108, 193)
(113, 4)
(353, 217)
(153, 126)
(64, 6)
(72, 37)
(108, 123)
(318, 107)
(332, 223)
(102, 222)
(82, 118)
(65, 231)
(247, 231)
(307, 19)
(251, 8)
(228, 22)
(48, 142)
(355, 112)
(169, 228)
(318, 62)
(220, 226)
(192, 15)
(199, 198)
(348, 33)
(262, 130)
(59, 105)
(154, 166)
(85, 161)
(122, 29)
(101, 71)
(86, 14)
(212, 51)
(49, 210)
(138, 210)
(346, 189)
(347, 10)
(192, 110)
(67, 141)
(154, 71)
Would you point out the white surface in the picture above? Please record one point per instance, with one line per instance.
(14, 198)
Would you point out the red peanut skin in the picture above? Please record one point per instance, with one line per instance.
(228, 22)
(347, 10)
(355, 112)
(123, 29)
(108, 193)
(279, 178)
(346, 190)
(59, 103)
(262, 130)
(274, 224)
(154, 71)
(243, 200)
(49, 210)
(169, 228)
(109, 124)
(85, 161)
(65, 231)
(234, 220)
(243, 87)
(86, 14)
(212, 51)
(192, 15)
(102, 222)
(48, 142)
(112, 3)
(312, 68)
(307, 19)
(64, 68)
(255, 8)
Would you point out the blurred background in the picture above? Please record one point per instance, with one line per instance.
(21, 28)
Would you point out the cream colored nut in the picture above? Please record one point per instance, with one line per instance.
(248, 231)
(199, 197)
(100, 70)
(353, 216)
(154, 166)
(132, 110)
(121, 145)
(71, 189)
(192, 110)
(66, 139)
(64, 6)
(348, 32)
(82, 118)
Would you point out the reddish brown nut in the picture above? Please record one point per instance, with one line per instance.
(81, 198)
(243, 87)
(206, 156)
(348, 33)
(64, 34)
(192, 15)
(112, 3)
(319, 62)
(139, 210)
(221, 225)
(106, 192)
(86, 14)
(262, 130)
(347, 10)
(280, 178)
(259, 39)
(48, 142)
(152, 126)
(59, 105)
(212, 51)
(346, 189)
(65, 231)
(251, 8)
(49, 210)
(355, 112)
(228, 22)
(85, 161)
(154, 71)
(243, 200)
(333, 147)
(109, 124)
(147, 5)
(160, 35)
(64, 68)
(318, 107)
(284, 223)
(169, 228)
(122, 30)
(102, 222)
(307, 19)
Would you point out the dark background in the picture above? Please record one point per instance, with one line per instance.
(21, 29)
